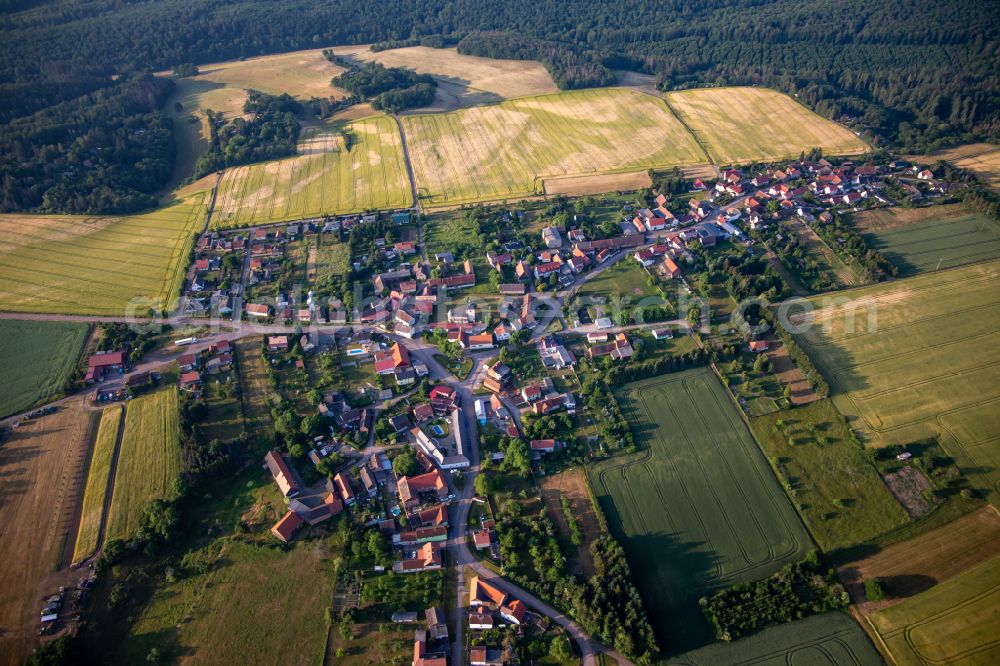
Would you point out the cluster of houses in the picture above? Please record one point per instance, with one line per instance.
(216, 359)
(430, 645)
(447, 447)
(489, 608)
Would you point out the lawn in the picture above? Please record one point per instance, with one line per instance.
(38, 359)
(831, 639)
(742, 124)
(697, 509)
(952, 623)
(624, 280)
(840, 495)
(322, 179)
(65, 264)
(96, 489)
(149, 459)
(920, 358)
(504, 150)
(927, 239)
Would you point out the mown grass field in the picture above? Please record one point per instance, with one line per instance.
(323, 179)
(830, 639)
(952, 623)
(507, 149)
(928, 364)
(927, 239)
(66, 264)
(38, 358)
(96, 488)
(698, 508)
(840, 495)
(149, 459)
(743, 124)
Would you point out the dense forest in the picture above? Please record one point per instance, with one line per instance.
(916, 70)
(270, 132)
(392, 89)
(105, 152)
(916, 74)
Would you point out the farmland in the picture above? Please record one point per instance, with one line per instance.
(96, 489)
(745, 124)
(927, 239)
(951, 623)
(65, 264)
(910, 567)
(322, 179)
(698, 508)
(983, 159)
(831, 639)
(463, 80)
(42, 465)
(149, 460)
(926, 366)
(505, 150)
(38, 358)
(839, 493)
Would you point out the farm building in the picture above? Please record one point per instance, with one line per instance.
(282, 473)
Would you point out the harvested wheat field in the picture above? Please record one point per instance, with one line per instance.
(505, 150)
(42, 465)
(326, 177)
(983, 159)
(743, 124)
(910, 567)
(75, 264)
(575, 186)
(463, 80)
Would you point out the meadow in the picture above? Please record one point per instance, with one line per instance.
(96, 489)
(840, 495)
(698, 508)
(919, 358)
(744, 124)
(323, 179)
(928, 239)
(507, 149)
(64, 264)
(830, 639)
(38, 359)
(149, 459)
(951, 623)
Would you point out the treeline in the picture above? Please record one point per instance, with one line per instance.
(391, 89)
(105, 152)
(919, 77)
(661, 365)
(569, 66)
(798, 590)
(271, 132)
(855, 250)
(798, 356)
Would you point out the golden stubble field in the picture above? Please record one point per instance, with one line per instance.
(323, 179)
(743, 124)
(77, 264)
(42, 465)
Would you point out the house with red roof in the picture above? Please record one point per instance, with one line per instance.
(285, 528)
(386, 363)
(410, 488)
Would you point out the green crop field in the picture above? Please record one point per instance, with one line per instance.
(939, 237)
(830, 639)
(919, 358)
(323, 179)
(38, 358)
(506, 150)
(840, 495)
(149, 459)
(96, 488)
(96, 265)
(742, 124)
(698, 509)
(951, 623)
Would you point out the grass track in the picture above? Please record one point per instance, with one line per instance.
(149, 460)
(698, 509)
(97, 483)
